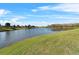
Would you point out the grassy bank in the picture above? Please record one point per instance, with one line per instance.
(10, 28)
(66, 42)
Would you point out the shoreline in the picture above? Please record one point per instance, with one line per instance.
(50, 44)
(10, 30)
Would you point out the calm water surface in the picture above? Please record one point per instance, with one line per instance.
(9, 37)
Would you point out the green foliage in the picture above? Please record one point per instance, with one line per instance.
(7, 24)
(64, 26)
(9, 28)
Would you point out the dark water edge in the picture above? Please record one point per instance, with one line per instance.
(9, 37)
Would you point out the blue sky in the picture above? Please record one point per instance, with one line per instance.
(39, 14)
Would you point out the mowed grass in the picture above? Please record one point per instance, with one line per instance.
(61, 43)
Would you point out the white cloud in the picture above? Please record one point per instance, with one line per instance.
(14, 20)
(44, 8)
(39, 23)
(34, 10)
(2, 22)
(67, 17)
(3, 12)
(67, 8)
(41, 8)
(61, 7)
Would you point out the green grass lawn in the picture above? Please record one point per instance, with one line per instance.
(66, 42)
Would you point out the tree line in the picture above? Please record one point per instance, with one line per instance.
(8, 26)
(64, 26)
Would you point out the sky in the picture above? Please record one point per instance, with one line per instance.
(39, 14)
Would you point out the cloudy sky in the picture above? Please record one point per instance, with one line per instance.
(41, 14)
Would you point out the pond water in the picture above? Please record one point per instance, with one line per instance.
(10, 37)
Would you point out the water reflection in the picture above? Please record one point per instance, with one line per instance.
(9, 37)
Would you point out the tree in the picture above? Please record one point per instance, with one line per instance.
(29, 26)
(7, 24)
(18, 26)
(14, 27)
(33, 26)
(0, 25)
